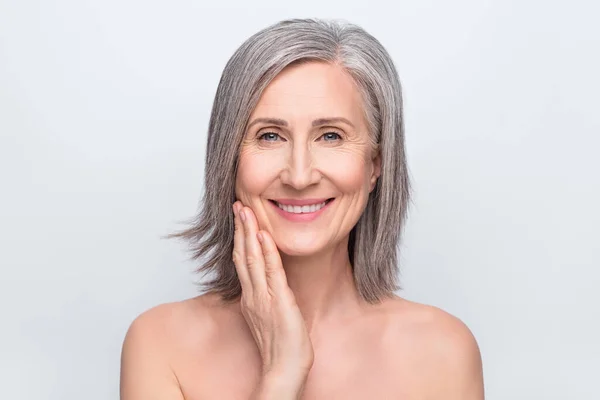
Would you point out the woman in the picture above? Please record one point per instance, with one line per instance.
(306, 194)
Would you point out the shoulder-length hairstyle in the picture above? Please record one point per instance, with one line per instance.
(374, 242)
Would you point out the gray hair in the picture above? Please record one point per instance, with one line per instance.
(374, 242)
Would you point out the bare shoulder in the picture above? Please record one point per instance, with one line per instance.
(442, 345)
(169, 323)
(443, 332)
(153, 342)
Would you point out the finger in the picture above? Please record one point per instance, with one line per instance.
(239, 251)
(255, 262)
(274, 272)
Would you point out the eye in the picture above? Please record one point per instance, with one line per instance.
(331, 136)
(269, 136)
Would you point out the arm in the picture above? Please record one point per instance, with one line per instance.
(145, 370)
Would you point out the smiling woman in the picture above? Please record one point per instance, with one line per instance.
(321, 150)
(306, 147)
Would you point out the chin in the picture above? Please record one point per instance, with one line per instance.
(298, 252)
(299, 245)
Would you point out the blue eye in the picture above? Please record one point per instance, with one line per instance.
(270, 135)
(331, 133)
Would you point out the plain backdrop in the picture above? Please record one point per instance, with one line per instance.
(104, 109)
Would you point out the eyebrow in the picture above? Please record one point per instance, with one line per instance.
(316, 122)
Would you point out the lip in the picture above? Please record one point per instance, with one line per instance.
(304, 217)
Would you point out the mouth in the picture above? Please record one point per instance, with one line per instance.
(304, 209)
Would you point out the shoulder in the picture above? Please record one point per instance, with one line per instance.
(443, 345)
(171, 325)
(166, 320)
(154, 341)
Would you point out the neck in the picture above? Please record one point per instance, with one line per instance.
(323, 285)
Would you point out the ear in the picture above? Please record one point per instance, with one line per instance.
(376, 170)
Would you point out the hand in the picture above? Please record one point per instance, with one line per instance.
(268, 304)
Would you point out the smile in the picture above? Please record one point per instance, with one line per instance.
(302, 209)
(301, 213)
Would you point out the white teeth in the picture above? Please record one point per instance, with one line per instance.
(302, 209)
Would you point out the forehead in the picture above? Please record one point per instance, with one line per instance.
(311, 90)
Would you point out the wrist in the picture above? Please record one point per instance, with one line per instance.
(278, 385)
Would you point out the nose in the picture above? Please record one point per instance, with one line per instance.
(300, 171)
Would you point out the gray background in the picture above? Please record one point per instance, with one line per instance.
(104, 107)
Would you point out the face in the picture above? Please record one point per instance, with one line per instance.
(307, 142)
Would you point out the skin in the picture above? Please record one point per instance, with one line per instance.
(300, 329)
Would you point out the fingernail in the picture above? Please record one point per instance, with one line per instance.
(235, 209)
(242, 215)
(260, 237)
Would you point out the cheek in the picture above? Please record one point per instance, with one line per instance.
(253, 176)
(347, 169)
